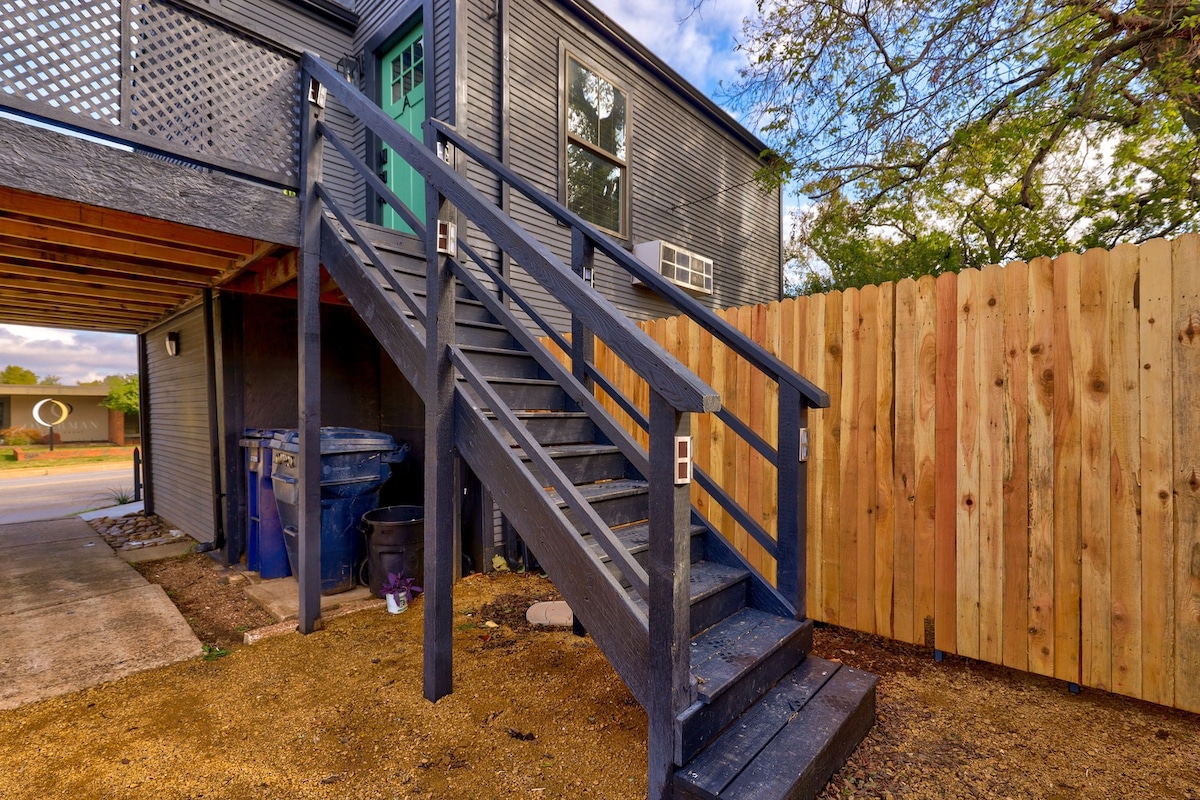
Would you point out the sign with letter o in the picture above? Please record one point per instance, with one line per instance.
(63, 412)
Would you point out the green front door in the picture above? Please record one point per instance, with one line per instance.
(403, 83)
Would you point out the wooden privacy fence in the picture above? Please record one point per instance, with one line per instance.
(1010, 466)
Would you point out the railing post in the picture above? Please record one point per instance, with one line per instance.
(792, 527)
(137, 473)
(441, 486)
(309, 334)
(583, 261)
(669, 680)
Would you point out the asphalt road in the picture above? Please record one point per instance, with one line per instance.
(36, 497)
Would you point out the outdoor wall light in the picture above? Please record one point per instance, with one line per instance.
(350, 67)
(172, 343)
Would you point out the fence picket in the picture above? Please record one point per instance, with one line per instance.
(904, 490)
(1016, 479)
(1125, 508)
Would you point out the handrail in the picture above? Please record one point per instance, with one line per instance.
(731, 336)
(683, 389)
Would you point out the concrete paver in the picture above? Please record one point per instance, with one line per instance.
(280, 597)
(73, 614)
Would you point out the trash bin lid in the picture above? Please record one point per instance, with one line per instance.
(259, 436)
(337, 440)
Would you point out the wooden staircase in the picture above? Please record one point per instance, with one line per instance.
(738, 707)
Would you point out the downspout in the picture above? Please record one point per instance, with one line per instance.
(214, 434)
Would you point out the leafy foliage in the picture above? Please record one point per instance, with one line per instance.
(13, 374)
(50, 380)
(123, 394)
(20, 436)
(1014, 129)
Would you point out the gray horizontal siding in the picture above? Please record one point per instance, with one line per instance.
(690, 182)
(180, 439)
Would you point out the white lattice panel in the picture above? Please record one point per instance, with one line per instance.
(64, 53)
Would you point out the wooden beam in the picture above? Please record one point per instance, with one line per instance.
(132, 226)
(49, 233)
(71, 321)
(54, 257)
(276, 274)
(52, 163)
(116, 310)
(81, 275)
(92, 290)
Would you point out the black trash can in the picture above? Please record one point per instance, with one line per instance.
(395, 543)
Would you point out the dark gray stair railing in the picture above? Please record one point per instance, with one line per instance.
(676, 394)
(796, 393)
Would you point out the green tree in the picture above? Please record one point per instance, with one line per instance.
(12, 374)
(122, 394)
(51, 380)
(1016, 129)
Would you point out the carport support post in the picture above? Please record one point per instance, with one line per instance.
(441, 485)
(309, 299)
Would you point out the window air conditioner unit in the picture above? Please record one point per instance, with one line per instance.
(692, 271)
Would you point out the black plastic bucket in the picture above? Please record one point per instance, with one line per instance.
(395, 543)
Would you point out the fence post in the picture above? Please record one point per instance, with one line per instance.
(792, 471)
(669, 679)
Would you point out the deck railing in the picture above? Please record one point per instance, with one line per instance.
(159, 76)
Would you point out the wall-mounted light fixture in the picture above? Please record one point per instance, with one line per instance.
(172, 343)
(350, 67)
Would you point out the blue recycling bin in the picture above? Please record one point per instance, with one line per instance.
(266, 552)
(354, 464)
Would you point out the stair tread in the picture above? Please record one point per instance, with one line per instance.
(605, 490)
(789, 742)
(706, 579)
(732, 647)
(579, 449)
(636, 537)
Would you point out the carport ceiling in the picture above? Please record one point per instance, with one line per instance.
(68, 265)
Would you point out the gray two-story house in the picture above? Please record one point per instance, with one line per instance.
(417, 217)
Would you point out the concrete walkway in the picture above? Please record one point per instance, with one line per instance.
(73, 615)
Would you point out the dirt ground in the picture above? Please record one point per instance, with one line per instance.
(535, 714)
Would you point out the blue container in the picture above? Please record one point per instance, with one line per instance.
(354, 464)
(266, 552)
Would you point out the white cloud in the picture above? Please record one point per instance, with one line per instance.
(74, 356)
(699, 43)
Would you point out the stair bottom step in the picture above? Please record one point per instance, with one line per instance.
(788, 744)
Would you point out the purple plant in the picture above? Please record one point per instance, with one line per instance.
(396, 583)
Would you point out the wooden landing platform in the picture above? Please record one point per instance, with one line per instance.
(788, 744)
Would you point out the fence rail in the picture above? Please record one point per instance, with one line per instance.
(1010, 466)
(161, 76)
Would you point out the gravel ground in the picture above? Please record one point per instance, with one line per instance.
(536, 714)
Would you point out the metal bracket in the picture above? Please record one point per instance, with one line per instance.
(447, 238)
(803, 445)
(589, 276)
(445, 151)
(683, 460)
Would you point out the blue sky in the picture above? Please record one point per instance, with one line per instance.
(697, 43)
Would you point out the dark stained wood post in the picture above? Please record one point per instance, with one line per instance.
(309, 331)
(144, 421)
(583, 261)
(441, 485)
(669, 686)
(792, 528)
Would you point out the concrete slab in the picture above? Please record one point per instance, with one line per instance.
(113, 511)
(156, 553)
(70, 646)
(37, 576)
(280, 597)
(51, 530)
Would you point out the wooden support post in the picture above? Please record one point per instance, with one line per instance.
(231, 421)
(583, 261)
(144, 422)
(670, 572)
(441, 485)
(309, 331)
(791, 531)
(214, 424)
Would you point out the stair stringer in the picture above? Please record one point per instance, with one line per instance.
(617, 625)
